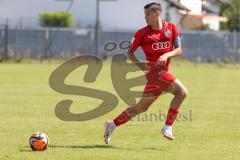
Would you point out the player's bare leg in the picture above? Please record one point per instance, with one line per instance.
(180, 92)
(142, 106)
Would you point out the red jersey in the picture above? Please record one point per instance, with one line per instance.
(155, 43)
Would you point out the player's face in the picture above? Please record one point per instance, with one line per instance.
(151, 17)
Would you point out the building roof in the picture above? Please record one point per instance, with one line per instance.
(178, 5)
(207, 17)
(225, 1)
(209, 9)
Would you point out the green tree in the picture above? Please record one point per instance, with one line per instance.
(232, 12)
(56, 19)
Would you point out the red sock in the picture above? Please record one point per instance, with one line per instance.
(171, 116)
(122, 118)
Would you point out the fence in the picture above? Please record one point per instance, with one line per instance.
(52, 42)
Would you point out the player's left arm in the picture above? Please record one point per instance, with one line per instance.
(177, 51)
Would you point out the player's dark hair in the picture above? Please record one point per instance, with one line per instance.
(154, 7)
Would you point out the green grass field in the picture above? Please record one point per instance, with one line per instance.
(27, 105)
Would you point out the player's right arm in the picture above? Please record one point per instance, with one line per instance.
(136, 42)
(133, 58)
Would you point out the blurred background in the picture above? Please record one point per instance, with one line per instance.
(63, 28)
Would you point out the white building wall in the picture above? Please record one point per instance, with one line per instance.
(195, 6)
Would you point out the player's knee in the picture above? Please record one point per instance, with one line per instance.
(183, 92)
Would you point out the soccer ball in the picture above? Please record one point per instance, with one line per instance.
(38, 141)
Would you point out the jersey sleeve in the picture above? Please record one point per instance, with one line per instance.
(176, 37)
(136, 41)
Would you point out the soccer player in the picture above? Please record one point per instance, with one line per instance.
(160, 42)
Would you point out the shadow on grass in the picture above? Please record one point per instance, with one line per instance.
(26, 150)
(92, 147)
(153, 148)
(84, 146)
(102, 147)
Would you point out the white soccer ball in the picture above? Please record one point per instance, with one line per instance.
(38, 141)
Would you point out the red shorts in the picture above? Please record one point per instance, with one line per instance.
(158, 82)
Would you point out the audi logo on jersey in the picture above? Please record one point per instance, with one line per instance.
(161, 45)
